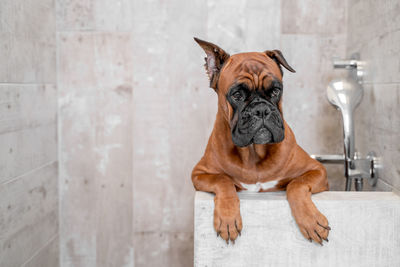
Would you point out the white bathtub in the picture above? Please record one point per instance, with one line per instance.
(365, 232)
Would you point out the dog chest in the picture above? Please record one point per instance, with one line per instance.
(259, 186)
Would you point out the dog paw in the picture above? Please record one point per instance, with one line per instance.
(227, 219)
(312, 223)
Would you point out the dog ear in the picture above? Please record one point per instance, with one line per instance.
(277, 56)
(216, 57)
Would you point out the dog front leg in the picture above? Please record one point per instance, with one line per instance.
(312, 223)
(227, 219)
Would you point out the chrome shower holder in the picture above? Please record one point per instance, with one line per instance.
(356, 169)
(346, 95)
(364, 168)
(356, 67)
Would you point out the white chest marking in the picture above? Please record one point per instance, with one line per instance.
(258, 186)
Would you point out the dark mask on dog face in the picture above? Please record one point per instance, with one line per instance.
(256, 118)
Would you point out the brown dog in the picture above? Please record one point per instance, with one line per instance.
(251, 147)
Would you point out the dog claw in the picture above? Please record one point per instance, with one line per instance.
(310, 239)
(218, 233)
(237, 229)
(320, 238)
(326, 227)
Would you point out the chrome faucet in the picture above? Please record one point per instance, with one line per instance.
(345, 95)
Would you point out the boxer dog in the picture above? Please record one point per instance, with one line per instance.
(251, 146)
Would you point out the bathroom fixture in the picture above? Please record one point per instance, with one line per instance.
(345, 95)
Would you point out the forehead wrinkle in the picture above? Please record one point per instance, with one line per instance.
(250, 71)
(253, 65)
(251, 74)
(263, 75)
(268, 80)
(255, 70)
(256, 81)
(246, 79)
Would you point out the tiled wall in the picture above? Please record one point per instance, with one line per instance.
(312, 34)
(135, 113)
(28, 134)
(95, 80)
(374, 32)
(173, 112)
(174, 109)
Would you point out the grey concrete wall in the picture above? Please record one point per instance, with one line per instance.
(174, 109)
(135, 113)
(313, 33)
(95, 80)
(28, 134)
(374, 32)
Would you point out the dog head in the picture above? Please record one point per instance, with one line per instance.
(249, 88)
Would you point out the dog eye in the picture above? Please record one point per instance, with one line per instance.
(237, 96)
(275, 92)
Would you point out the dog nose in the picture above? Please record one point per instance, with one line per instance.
(261, 110)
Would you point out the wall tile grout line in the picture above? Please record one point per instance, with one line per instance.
(29, 127)
(93, 31)
(25, 84)
(40, 249)
(28, 172)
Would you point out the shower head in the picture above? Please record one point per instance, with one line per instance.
(344, 94)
